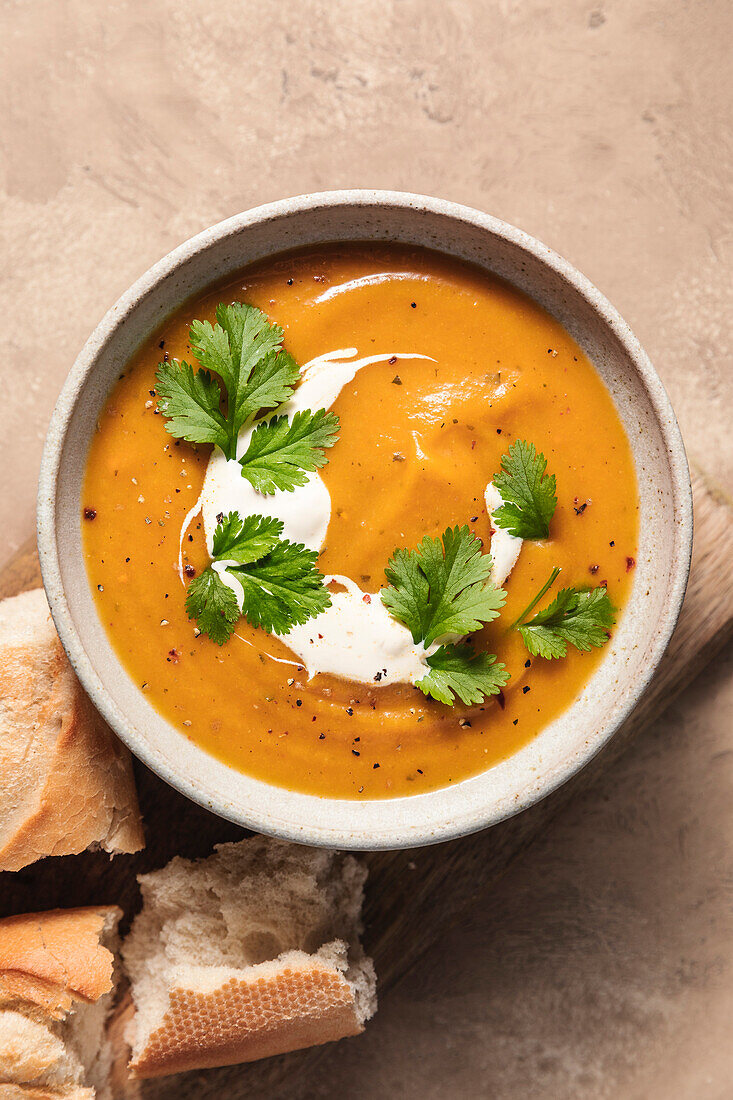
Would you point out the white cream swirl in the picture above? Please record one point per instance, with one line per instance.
(355, 638)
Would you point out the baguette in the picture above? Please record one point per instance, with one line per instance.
(57, 978)
(66, 780)
(250, 953)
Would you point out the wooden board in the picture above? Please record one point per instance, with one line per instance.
(413, 896)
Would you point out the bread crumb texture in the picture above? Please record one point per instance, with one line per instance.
(252, 952)
(67, 780)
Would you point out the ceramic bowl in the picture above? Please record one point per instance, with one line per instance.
(564, 746)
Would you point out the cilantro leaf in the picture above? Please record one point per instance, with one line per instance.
(232, 347)
(281, 453)
(457, 670)
(258, 374)
(251, 335)
(191, 401)
(213, 606)
(210, 345)
(442, 587)
(245, 540)
(282, 589)
(245, 350)
(580, 616)
(269, 385)
(278, 579)
(528, 492)
(407, 599)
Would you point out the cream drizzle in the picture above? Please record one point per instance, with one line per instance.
(355, 638)
(370, 280)
(305, 512)
(504, 547)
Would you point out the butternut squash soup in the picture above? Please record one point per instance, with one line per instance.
(360, 521)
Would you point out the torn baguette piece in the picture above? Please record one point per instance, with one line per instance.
(67, 781)
(57, 977)
(252, 952)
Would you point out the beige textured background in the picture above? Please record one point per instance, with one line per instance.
(601, 966)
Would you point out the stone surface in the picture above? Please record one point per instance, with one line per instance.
(601, 967)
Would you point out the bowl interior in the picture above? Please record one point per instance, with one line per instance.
(662, 562)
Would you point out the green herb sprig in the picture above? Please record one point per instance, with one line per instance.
(244, 373)
(580, 617)
(282, 452)
(443, 588)
(245, 350)
(527, 492)
(278, 579)
(458, 670)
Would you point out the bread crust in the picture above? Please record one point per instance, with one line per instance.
(49, 959)
(67, 780)
(304, 1002)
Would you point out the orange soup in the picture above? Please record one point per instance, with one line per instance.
(458, 365)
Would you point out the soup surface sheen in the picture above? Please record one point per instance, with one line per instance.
(419, 441)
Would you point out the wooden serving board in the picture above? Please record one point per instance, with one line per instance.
(412, 896)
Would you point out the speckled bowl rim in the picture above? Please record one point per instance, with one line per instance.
(411, 821)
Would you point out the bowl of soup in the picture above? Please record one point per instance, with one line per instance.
(364, 519)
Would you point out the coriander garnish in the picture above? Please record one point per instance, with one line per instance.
(282, 453)
(275, 580)
(443, 588)
(536, 599)
(580, 616)
(457, 669)
(527, 492)
(278, 581)
(245, 350)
